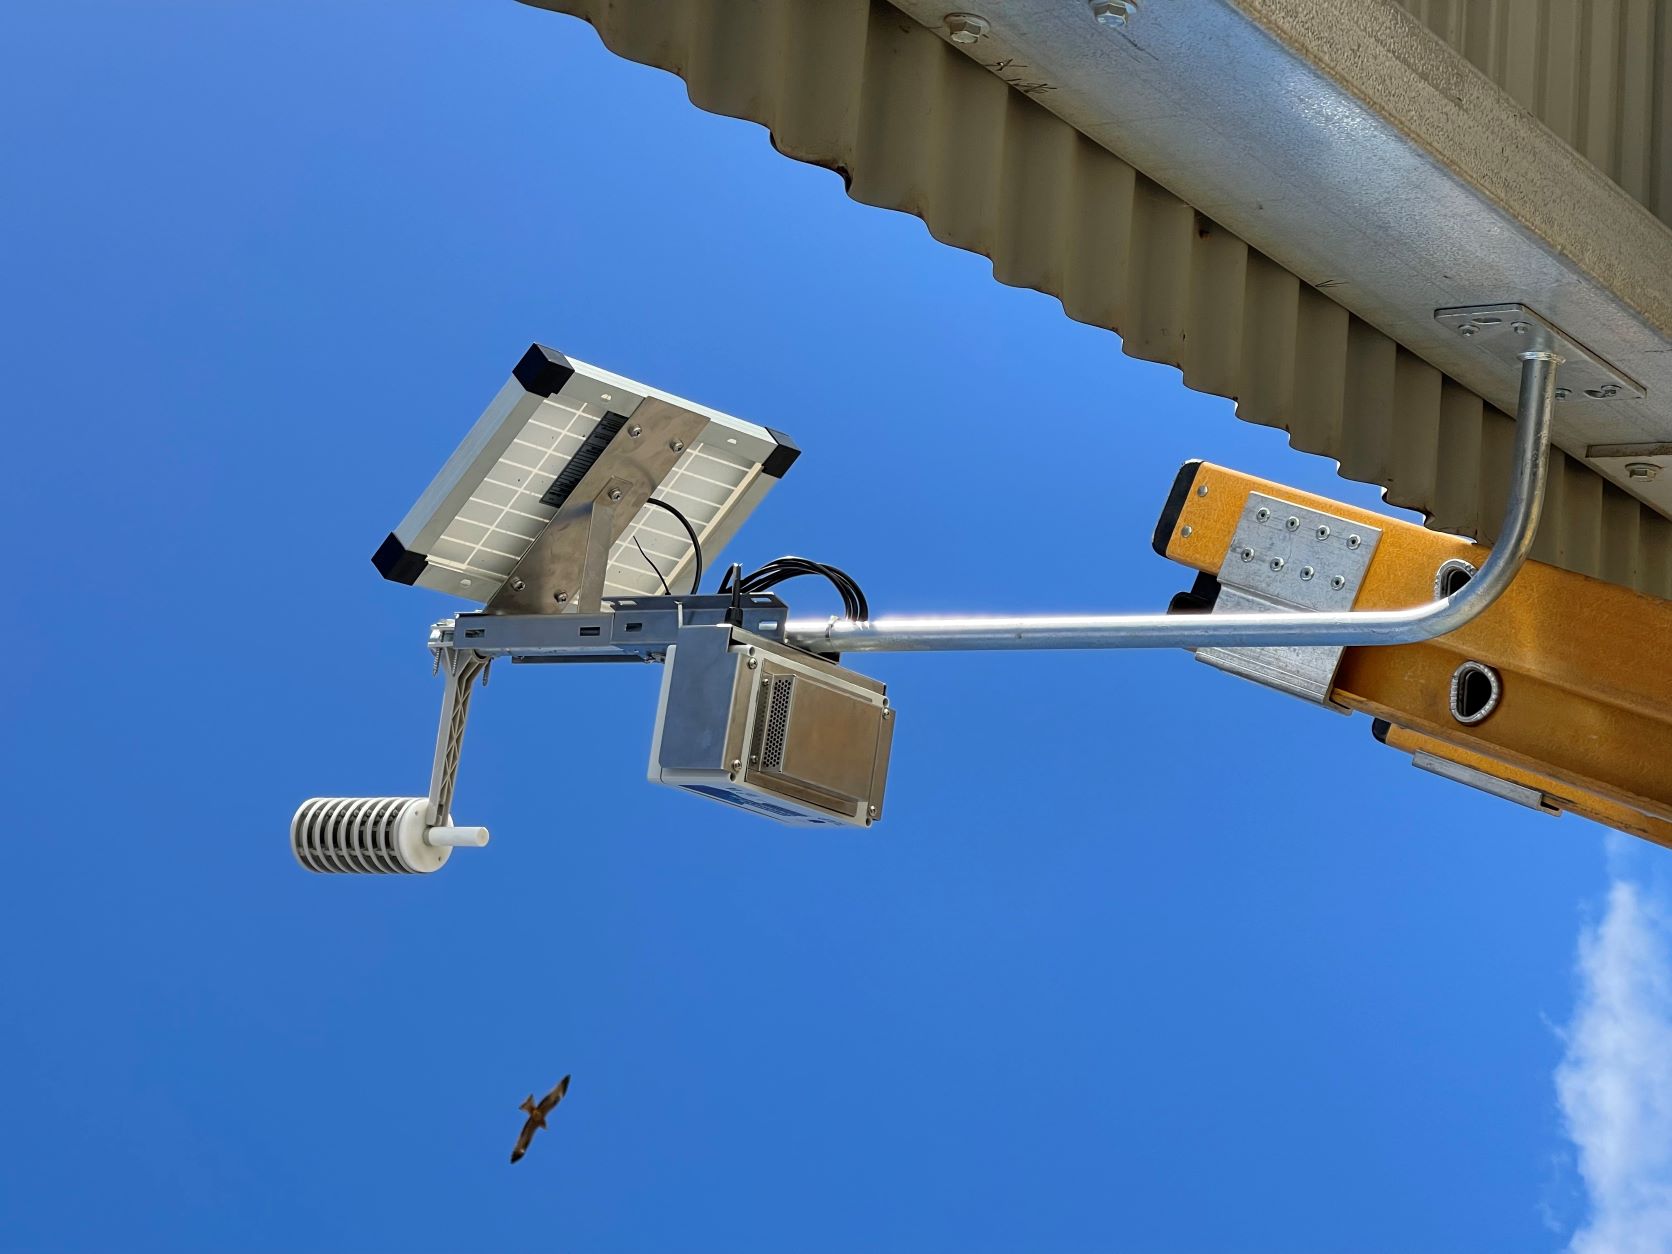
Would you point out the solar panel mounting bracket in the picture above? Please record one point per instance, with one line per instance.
(563, 570)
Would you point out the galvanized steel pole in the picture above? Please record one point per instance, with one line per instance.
(1189, 631)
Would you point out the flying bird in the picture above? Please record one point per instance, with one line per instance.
(537, 1115)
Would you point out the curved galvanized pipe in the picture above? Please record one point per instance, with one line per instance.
(1301, 627)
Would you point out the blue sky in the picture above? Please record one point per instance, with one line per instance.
(1142, 958)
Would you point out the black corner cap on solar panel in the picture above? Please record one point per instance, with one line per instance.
(781, 458)
(1175, 506)
(543, 370)
(1380, 729)
(1201, 598)
(395, 562)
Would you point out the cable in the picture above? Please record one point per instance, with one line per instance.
(854, 604)
(696, 544)
(667, 591)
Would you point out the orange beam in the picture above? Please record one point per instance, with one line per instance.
(1586, 666)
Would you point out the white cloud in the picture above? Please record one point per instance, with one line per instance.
(1615, 1079)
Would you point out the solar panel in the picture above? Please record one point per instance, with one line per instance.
(559, 436)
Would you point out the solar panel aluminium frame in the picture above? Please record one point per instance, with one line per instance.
(518, 466)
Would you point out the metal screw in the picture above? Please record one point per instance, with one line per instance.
(754, 662)
(1202, 491)
(1645, 471)
(1608, 391)
(677, 446)
(1338, 582)
(1187, 531)
(1114, 12)
(1353, 542)
(1293, 524)
(1323, 533)
(737, 764)
(560, 597)
(965, 28)
(1520, 328)
(888, 714)
(875, 810)
(1247, 555)
(1306, 572)
(1562, 394)
(1261, 514)
(615, 494)
(635, 431)
(516, 585)
(1468, 328)
(1277, 563)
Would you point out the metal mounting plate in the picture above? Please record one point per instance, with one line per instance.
(1285, 556)
(1585, 380)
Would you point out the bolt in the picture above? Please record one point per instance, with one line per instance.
(1468, 328)
(1114, 12)
(1277, 563)
(965, 28)
(887, 714)
(1261, 514)
(875, 811)
(1323, 533)
(1338, 583)
(1353, 542)
(1607, 392)
(1645, 471)
(677, 446)
(1306, 572)
(614, 494)
(1202, 490)
(1562, 394)
(560, 597)
(1187, 531)
(516, 585)
(737, 764)
(635, 431)
(1247, 555)
(1293, 524)
(754, 662)
(1520, 328)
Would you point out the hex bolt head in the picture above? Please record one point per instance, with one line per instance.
(614, 494)
(965, 28)
(1646, 471)
(677, 446)
(1306, 572)
(560, 597)
(516, 585)
(635, 431)
(1338, 582)
(1113, 12)
(1277, 563)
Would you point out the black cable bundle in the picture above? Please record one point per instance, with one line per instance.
(854, 604)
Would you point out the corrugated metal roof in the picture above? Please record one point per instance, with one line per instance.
(1596, 72)
(858, 87)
